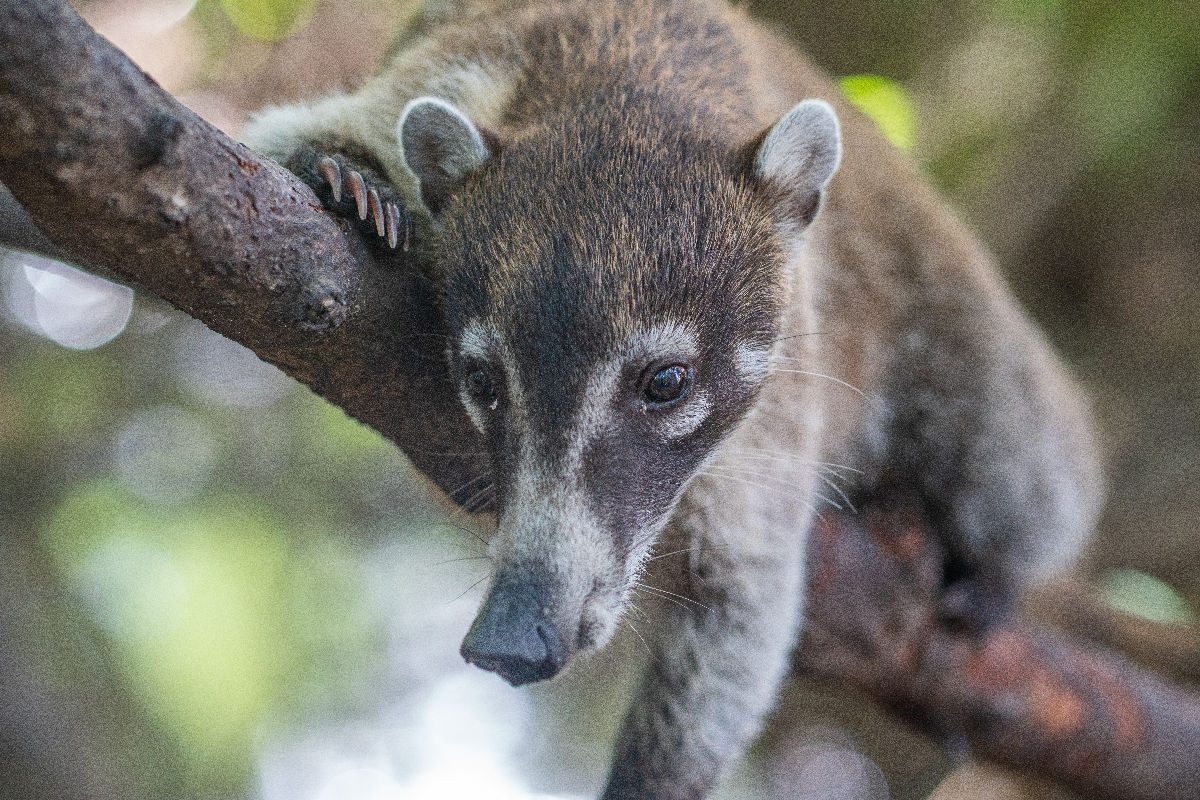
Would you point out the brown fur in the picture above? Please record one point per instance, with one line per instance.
(962, 402)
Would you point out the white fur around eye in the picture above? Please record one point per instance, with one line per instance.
(473, 409)
(667, 338)
(686, 417)
(477, 339)
(752, 362)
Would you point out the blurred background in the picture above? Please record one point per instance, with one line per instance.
(244, 594)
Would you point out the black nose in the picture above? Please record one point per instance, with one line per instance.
(513, 637)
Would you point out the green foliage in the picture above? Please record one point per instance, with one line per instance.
(55, 396)
(221, 620)
(1145, 596)
(269, 19)
(887, 103)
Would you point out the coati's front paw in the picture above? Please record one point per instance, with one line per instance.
(355, 192)
(972, 605)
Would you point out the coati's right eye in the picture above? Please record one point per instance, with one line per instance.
(668, 384)
(480, 385)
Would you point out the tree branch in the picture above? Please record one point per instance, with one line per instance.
(1022, 695)
(122, 179)
(1171, 649)
(18, 231)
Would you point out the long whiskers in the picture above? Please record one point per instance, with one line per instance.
(769, 481)
(466, 483)
(638, 634)
(775, 455)
(672, 553)
(476, 502)
(838, 381)
(748, 482)
(799, 335)
(458, 561)
(476, 535)
(452, 519)
(469, 588)
(821, 471)
(665, 595)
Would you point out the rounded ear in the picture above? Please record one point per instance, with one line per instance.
(799, 155)
(441, 147)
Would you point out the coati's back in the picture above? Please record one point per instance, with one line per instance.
(511, 65)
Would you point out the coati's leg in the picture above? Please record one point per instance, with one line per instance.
(355, 191)
(716, 668)
(971, 599)
(997, 438)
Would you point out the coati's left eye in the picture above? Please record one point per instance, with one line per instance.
(667, 385)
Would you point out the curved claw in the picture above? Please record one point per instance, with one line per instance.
(328, 169)
(376, 208)
(392, 215)
(357, 188)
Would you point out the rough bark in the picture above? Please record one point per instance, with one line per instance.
(122, 179)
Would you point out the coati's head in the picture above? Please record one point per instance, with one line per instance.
(613, 284)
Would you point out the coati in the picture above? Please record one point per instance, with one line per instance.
(683, 282)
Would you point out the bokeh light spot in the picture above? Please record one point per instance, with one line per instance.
(362, 783)
(164, 455)
(833, 773)
(1145, 596)
(64, 304)
(220, 371)
(133, 588)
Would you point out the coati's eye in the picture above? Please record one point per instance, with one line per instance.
(480, 385)
(667, 385)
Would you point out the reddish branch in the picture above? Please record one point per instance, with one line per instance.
(1022, 694)
(124, 180)
(1169, 648)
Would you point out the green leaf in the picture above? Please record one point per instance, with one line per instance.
(887, 103)
(1145, 596)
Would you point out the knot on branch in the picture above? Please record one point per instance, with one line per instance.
(322, 308)
(155, 144)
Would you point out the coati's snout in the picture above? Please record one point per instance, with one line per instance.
(515, 636)
(559, 588)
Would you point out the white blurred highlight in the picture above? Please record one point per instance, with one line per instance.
(457, 745)
(825, 771)
(64, 304)
(134, 588)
